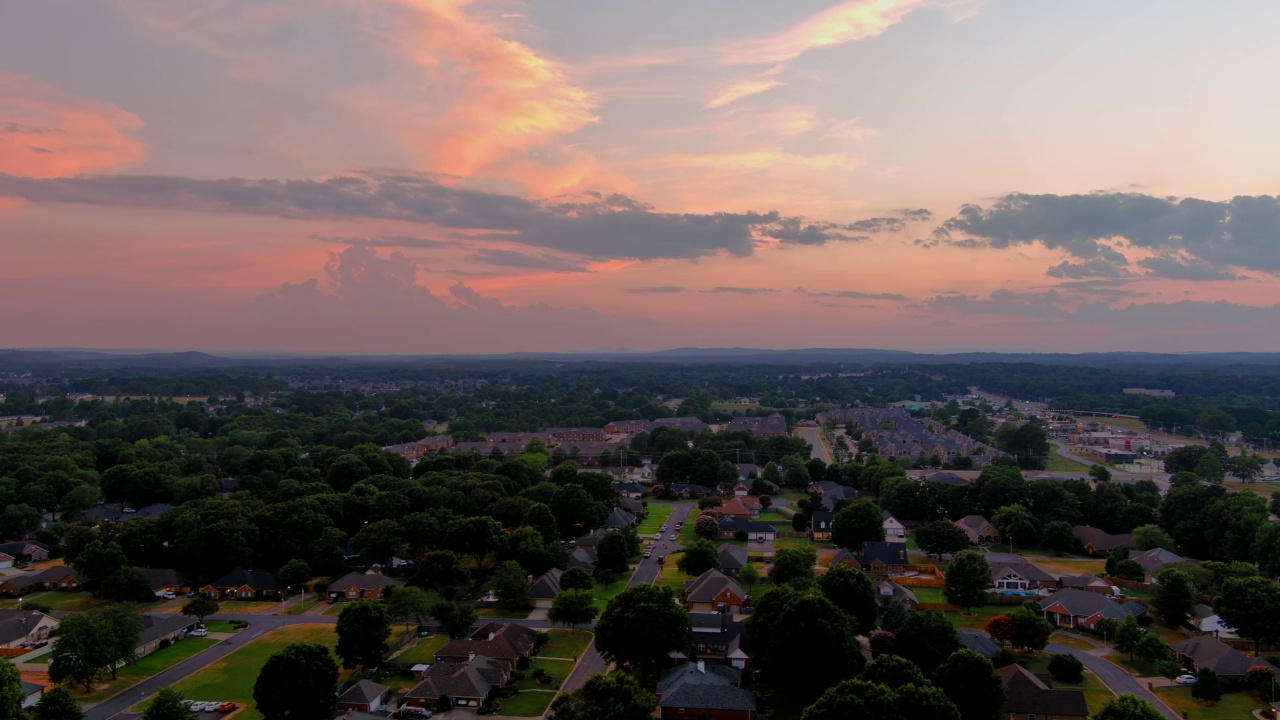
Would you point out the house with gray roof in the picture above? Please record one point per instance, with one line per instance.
(713, 591)
(364, 696)
(1029, 696)
(732, 558)
(1153, 561)
(1098, 542)
(1210, 652)
(458, 684)
(545, 587)
(362, 586)
(1074, 608)
(619, 518)
(980, 643)
(693, 688)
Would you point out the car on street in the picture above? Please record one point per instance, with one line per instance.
(657, 536)
(226, 707)
(671, 537)
(663, 528)
(647, 554)
(1186, 679)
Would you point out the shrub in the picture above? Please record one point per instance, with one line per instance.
(740, 535)
(1066, 668)
(164, 643)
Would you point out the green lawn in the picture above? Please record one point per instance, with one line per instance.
(222, 626)
(778, 520)
(1057, 463)
(531, 703)
(671, 577)
(658, 515)
(232, 677)
(59, 601)
(305, 605)
(424, 650)
(565, 644)
(504, 613)
(145, 667)
(557, 670)
(605, 593)
(1233, 706)
(1096, 694)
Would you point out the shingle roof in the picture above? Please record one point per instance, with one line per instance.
(162, 578)
(701, 687)
(546, 585)
(980, 643)
(732, 557)
(472, 679)
(16, 624)
(619, 518)
(365, 691)
(155, 627)
(364, 581)
(1206, 651)
(503, 641)
(733, 524)
(1082, 603)
(1025, 570)
(1029, 695)
(1154, 560)
(710, 586)
(1101, 540)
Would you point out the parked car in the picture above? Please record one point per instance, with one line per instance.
(414, 712)
(226, 707)
(671, 537)
(166, 595)
(657, 536)
(197, 632)
(1186, 679)
(647, 553)
(189, 704)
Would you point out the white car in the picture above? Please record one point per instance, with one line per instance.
(671, 537)
(1185, 679)
(198, 632)
(202, 706)
(166, 595)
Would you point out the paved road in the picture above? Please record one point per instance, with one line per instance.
(813, 436)
(1114, 677)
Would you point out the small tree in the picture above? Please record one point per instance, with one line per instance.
(455, 620)
(511, 585)
(166, 705)
(1000, 628)
(575, 578)
(1058, 536)
(893, 615)
(1208, 687)
(1067, 669)
(941, 537)
(698, 557)
(295, 574)
(363, 628)
(616, 696)
(200, 607)
(1128, 635)
(1030, 631)
(409, 605)
(967, 580)
(1261, 679)
(749, 576)
(1129, 569)
(572, 608)
(57, 703)
(882, 644)
(1128, 707)
(706, 526)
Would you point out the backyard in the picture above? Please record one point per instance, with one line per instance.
(423, 651)
(565, 644)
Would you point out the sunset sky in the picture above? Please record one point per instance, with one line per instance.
(450, 176)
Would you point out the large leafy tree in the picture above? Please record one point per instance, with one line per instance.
(698, 557)
(787, 617)
(511, 585)
(166, 705)
(793, 566)
(455, 619)
(641, 626)
(1028, 629)
(572, 608)
(616, 696)
(852, 591)
(927, 639)
(125, 634)
(363, 628)
(858, 522)
(83, 648)
(1251, 606)
(200, 607)
(972, 684)
(409, 605)
(967, 579)
(940, 538)
(11, 695)
(1174, 596)
(612, 554)
(298, 683)
(57, 703)
(1016, 524)
(859, 698)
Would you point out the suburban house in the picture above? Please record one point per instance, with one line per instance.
(1202, 652)
(979, 530)
(165, 580)
(6, 561)
(757, 530)
(365, 696)
(742, 489)
(26, 550)
(1020, 576)
(31, 694)
(545, 587)
(690, 491)
(240, 584)
(18, 627)
(980, 643)
(833, 493)
(694, 689)
(58, 577)
(888, 590)
(773, 425)
(945, 478)
(717, 636)
(503, 642)
(1098, 542)
(157, 628)
(619, 518)
(633, 490)
(1204, 619)
(734, 507)
(1153, 561)
(357, 586)
(711, 592)
(893, 527)
(732, 558)
(875, 558)
(1080, 609)
(821, 525)
(450, 683)
(583, 557)
(1087, 582)
(578, 434)
(1031, 697)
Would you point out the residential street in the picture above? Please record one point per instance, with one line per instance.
(1114, 677)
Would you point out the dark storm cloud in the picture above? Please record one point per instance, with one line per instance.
(612, 226)
(1176, 269)
(1240, 232)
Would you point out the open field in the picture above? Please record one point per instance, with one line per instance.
(530, 703)
(58, 601)
(1261, 489)
(1233, 705)
(424, 650)
(566, 644)
(605, 593)
(232, 677)
(145, 667)
(1057, 463)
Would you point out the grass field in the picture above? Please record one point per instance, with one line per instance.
(249, 607)
(1233, 705)
(658, 515)
(1261, 489)
(1057, 463)
(503, 613)
(565, 644)
(145, 667)
(557, 670)
(671, 577)
(232, 677)
(424, 650)
(305, 605)
(58, 601)
(530, 703)
(605, 593)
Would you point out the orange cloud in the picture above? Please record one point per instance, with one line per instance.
(47, 133)
(844, 23)
(739, 90)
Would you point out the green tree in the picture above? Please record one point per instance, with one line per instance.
(295, 574)
(11, 694)
(1149, 537)
(511, 585)
(439, 569)
(125, 634)
(1066, 668)
(707, 526)
(793, 566)
(476, 536)
(1016, 524)
(572, 608)
(57, 703)
(1128, 707)
(298, 683)
(787, 617)
(749, 576)
(640, 627)
(927, 639)
(859, 698)
(166, 705)
(698, 557)
(575, 578)
(1128, 635)
(860, 521)
(852, 591)
(967, 580)
(1174, 597)
(616, 696)
(1099, 473)
(363, 628)
(1251, 606)
(82, 649)
(455, 620)
(972, 684)
(941, 537)
(612, 554)
(1129, 569)
(200, 607)
(410, 605)
(893, 671)
(1058, 536)
(1208, 687)
(1210, 469)
(1029, 630)
(128, 584)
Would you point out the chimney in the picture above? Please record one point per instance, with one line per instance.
(702, 667)
(529, 578)
(471, 656)
(902, 554)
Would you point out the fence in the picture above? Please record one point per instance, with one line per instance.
(929, 582)
(1130, 584)
(792, 534)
